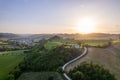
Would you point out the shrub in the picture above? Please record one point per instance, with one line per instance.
(90, 71)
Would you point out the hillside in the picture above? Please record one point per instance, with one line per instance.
(108, 57)
(93, 36)
(8, 35)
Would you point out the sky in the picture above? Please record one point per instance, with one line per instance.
(58, 16)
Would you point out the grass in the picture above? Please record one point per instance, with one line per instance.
(40, 76)
(95, 42)
(18, 52)
(36, 40)
(52, 44)
(3, 43)
(7, 63)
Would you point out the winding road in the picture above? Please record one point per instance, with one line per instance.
(71, 61)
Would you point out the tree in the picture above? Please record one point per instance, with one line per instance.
(78, 75)
(90, 71)
(51, 78)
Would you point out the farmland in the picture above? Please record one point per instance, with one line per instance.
(95, 43)
(52, 44)
(7, 64)
(39, 63)
(13, 53)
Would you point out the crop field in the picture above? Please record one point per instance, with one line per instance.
(95, 42)
(7, 63)
(40, 76)
(52, 44)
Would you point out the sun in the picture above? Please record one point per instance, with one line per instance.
(86, 25)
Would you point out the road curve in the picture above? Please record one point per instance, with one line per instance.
(71, 61)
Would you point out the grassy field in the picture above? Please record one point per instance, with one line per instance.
(109, 58)
(36, 40)
(52, 44)
(7, 63)
(3, 43)
(40, 76)
(95, 42)
(13, 53)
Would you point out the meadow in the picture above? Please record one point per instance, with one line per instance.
(3, 43)
(94, 43)
(12, 53)
(52, 44)
(9, 62)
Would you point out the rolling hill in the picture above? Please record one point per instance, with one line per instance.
(108, 57)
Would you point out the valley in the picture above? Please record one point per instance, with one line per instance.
(44, 59)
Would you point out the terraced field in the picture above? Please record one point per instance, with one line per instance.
(108, 57)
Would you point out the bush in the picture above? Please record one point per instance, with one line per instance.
(90, 71)
(10, 77)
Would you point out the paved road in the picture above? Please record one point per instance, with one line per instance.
(72, 61)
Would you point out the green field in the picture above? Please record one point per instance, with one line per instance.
(13, 53)
(7, 63)
(52, 44)
(36, 40)
(3, 43)
(40, 76)
(95, 42)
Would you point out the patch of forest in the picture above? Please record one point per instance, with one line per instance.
(40, 59)
(90, 71)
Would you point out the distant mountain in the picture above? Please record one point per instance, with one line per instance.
(8, 35)
(55, 38)
(90, 36)
(72, 36)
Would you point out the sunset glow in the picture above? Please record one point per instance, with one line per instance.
(86, 25)
(59, 16)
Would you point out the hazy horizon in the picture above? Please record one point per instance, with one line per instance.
(59, 16)
(56, 33)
